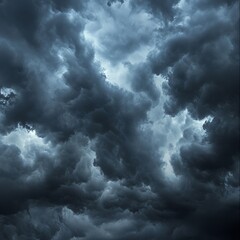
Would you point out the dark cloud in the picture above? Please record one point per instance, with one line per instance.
(109, 3)
(199, 58)
(82, 158)
(142, 80)
(164, 8)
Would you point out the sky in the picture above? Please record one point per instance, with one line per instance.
(119, 120)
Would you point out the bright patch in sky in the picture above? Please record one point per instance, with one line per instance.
(28, 142)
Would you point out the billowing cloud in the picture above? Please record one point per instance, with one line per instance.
(119, 119)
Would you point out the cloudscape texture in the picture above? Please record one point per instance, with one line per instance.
(119, 119)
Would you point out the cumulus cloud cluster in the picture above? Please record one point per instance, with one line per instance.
(119, 119)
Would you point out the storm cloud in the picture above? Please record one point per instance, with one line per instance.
(119, 120)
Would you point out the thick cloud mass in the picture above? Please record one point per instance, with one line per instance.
(119, 120)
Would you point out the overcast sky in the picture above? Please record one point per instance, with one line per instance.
(119, 119)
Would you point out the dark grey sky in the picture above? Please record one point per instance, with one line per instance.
(119, 120)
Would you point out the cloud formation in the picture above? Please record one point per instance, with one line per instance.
(119, 120)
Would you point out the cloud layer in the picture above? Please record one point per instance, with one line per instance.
(119, 120)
